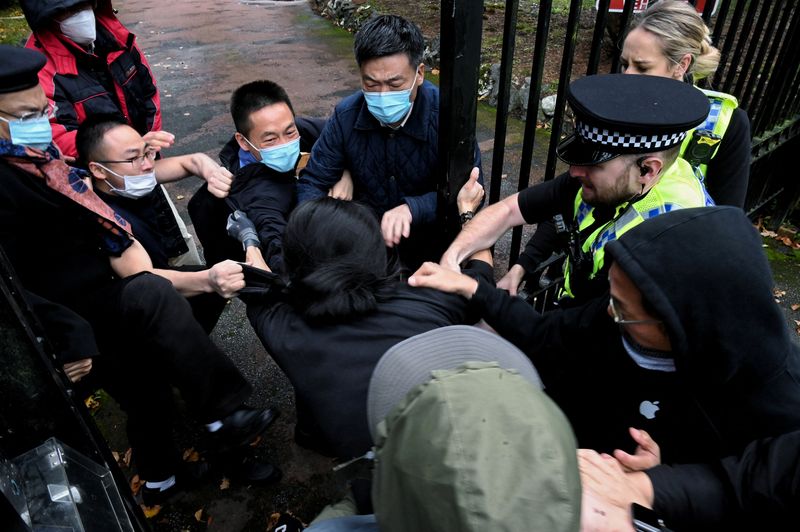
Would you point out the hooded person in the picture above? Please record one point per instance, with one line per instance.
(465, 440)
(94, 66)
(676, 351)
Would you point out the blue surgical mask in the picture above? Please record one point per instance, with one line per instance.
(136, 186)
(390, 107)
(281, 158)
(33, 132)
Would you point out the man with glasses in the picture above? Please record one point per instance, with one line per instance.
(70, 248)
(125, 174)
(95, 67)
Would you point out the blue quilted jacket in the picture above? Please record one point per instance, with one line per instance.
(388, 166)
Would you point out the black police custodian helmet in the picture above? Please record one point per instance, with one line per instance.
(20, 68)
(617, 114)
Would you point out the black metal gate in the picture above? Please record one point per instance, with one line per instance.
(760, 65)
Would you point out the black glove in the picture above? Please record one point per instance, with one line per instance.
(241, 228)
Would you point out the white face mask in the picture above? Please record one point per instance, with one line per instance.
(80, 27)
(136, 186)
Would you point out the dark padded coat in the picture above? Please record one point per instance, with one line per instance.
(115, 80)
(389, 167)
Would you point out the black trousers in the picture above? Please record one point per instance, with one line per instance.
(149, 343)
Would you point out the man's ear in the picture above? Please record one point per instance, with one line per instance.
(241, 142)
(96, 171)
(421, 73)
(649, 169)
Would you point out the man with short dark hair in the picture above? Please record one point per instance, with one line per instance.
(125, 174)
(267, 149)
(386, 135)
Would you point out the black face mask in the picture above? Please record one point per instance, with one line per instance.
(645, 351)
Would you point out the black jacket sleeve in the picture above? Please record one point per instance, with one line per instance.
(267, 203)
(555, 339)
(729, 170)
(762, 485)
(542, 244)
(71, 335)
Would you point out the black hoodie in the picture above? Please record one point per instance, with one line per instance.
(737, 374)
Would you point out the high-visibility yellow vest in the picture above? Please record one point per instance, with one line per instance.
(678, 188)
(722, 106)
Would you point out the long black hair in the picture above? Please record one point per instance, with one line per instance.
(336, 260)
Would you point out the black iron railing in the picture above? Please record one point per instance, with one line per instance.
(760, 65)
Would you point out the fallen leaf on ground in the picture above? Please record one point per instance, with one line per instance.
(127, 458)
(769, 234)
(180, 196)
(151, 511)
(115, 454)
(787, 241)
(200, 516)
(256, 441)
(136, 484)
(225, 484)
(92, 404)
(795, 306)
(190, 455)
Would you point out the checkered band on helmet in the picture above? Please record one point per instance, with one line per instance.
(616, 139)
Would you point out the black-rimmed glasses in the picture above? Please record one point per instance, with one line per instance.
(619, 320)
(47, 112)
(149, 154)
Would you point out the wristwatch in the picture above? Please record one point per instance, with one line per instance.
(466, 216)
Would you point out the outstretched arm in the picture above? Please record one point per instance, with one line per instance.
(483, 231)
(172, 169)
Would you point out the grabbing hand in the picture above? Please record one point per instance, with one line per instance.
(243, 229)
(343, 189)
(226, 278)
(158, 139)
(432, 275)
(396, 224)
(78, 369)
(219, 182)
(511, 280)
(471, 194)
(603, 476)
(647, 454)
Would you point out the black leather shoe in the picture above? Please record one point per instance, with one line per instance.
(241, 428)
(250, 471)
(187, 477)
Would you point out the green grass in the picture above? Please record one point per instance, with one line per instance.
(13, 28)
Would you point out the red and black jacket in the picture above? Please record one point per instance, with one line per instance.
(116, 81)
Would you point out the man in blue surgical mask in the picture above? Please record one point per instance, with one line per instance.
(125, 174)
(267, 149)
(386, 134)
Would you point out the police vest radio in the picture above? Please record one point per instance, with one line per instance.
(701, 147)
(579, 259)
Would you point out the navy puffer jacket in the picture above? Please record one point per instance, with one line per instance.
(389, 167)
